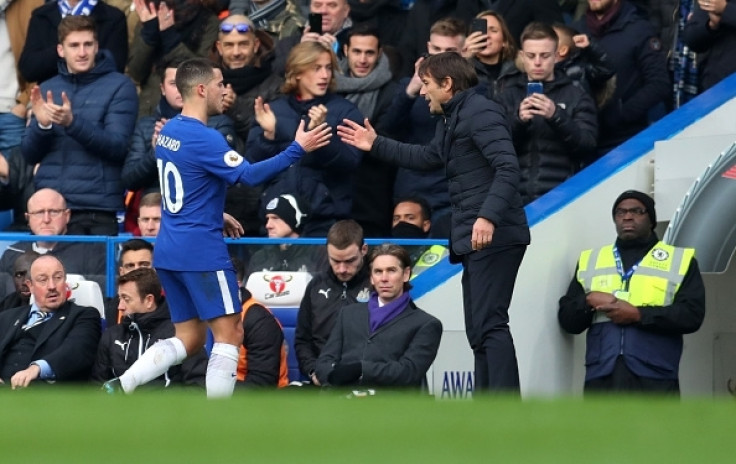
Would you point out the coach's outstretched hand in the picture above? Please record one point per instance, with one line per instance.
(356, 135)
(313, 139)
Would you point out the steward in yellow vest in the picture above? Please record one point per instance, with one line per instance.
(636, 298)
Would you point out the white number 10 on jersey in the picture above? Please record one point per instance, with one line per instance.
(173, 195)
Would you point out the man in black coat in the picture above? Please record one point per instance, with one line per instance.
(489, 228)
(53, 339)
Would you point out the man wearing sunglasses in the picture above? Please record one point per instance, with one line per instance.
(637, 297)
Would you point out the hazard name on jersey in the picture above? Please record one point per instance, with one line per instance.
(168, 143)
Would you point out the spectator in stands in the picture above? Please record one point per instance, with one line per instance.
(22, 294)
(711, 31)
(82, 121)
(284, 219)
(516, 13)
(493, 52)
(409, 120)
(53, 339)
(176, 29)
(146, 320)
(411, 219)
(553, 131)
(16, 186)
(489, 232)
(134, 254)
(636, 298)
(39, 59)
(366, 80)
(585, 63)
(322, 179)
(346, 281)
(635, 53)
(149, 214)
(14, 89)
(388, 16)
(386, 342)
(279, 18)
(47, 214)
(246, 56)
(336, 24)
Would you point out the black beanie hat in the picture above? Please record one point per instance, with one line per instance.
(286, 207)
(645, 200)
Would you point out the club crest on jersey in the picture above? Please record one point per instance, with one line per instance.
(233, 159)
(277, 285)
(660, 254)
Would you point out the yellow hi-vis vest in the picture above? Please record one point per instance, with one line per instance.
(654, 283)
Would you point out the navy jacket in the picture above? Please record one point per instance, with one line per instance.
(83, 162)
(550, 150)
(38, 61)
(715, 47)
(473, 142)
(322, 178)
(642, 80)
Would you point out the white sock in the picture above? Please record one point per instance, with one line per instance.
(222, 370)
(153, 363)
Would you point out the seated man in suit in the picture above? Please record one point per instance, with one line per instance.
(52, 339)
(47, 214)
(387, 342)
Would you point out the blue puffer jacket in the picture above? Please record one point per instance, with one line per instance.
(83, 162)
(324, 177)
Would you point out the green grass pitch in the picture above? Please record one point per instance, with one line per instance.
(61, 425)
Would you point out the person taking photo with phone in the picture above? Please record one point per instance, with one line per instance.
(553, 123)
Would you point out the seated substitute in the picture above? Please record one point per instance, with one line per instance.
(146, 320)
(53, 339)
(284, 219)
(636, 298)
(387, 342)
(134, 253)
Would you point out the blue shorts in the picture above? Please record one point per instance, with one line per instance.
(200, 294)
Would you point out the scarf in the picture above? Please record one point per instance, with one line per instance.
(245, 78)
(261, 16)
(363, 91)
(684, 62)
(598, 27)
(382, 315)
(165, 110)
(83, 8)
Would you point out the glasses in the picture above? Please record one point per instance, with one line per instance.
(53, 213)
(621, 212)
(242, 28)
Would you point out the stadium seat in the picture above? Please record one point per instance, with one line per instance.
(282, 293)
(88, 293)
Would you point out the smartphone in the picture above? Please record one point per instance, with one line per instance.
(479, 25)
(315, 22)
(534, 87)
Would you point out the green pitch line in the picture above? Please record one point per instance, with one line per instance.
(58, 425)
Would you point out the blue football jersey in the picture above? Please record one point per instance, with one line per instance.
(195, 167)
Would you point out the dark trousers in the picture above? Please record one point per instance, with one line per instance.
(622, 380)
(89, 222)
(488, 283)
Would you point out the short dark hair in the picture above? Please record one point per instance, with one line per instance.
(452, 65)
(537, 30)
(146, 282)
(76, 23)
(364, 29)
(344, 233)
(135, 244)
(398, 252)
(169, 63)
(192, 73)
(416, 199)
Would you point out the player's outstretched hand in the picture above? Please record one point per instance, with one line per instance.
(356, 135)
(313, 139)
(231, 227)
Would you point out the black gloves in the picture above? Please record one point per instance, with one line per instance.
(345, 374)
